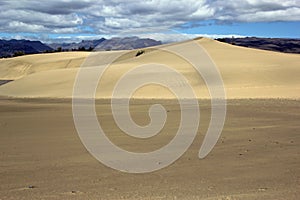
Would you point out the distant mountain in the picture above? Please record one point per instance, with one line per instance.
(83, 44)
(103, 44)
(9, 48)
(126, 43)
(272, 44)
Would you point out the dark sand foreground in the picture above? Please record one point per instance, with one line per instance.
(257, 156)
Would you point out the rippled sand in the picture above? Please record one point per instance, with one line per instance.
(257, 156)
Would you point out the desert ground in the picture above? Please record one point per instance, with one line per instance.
(256, 157)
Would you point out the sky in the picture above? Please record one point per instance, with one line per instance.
(166, 20)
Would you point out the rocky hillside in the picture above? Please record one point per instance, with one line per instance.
(86, 44)
(10, 48)
(127, 43)
(271, 44)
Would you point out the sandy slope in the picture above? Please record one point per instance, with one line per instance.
(257, 156)
(256, 73)
(247, 73)
(16, 68)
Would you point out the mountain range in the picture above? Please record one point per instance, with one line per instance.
(14, 47)
(117, 43)
(83, 44)
(9, 48)
(271, 44)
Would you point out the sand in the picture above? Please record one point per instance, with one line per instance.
(256, 157)
(247, 73)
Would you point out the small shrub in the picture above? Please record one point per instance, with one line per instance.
(18, 53)
(140, 52)
(59, 49)
(81, 49)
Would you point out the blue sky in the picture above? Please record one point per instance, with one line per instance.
(258, 29)
(166, 20)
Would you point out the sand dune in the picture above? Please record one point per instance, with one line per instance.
(16, 68)
(256, 157)
(247, 73)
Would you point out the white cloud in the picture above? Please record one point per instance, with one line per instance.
(20, 26)
(257, 10)
(290, 14)
(135, 16)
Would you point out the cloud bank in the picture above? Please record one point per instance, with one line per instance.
(105, 17)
